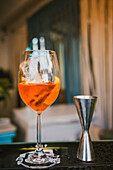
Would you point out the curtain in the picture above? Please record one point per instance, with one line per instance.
(59, 23)
(97, 56)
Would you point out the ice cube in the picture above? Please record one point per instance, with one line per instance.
(25, 68)
(45, 77)
(49, 63)
(35, 76)
(45, 62)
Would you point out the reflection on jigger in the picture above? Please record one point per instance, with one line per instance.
(85, 106)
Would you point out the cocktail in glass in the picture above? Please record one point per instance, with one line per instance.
(39, 86)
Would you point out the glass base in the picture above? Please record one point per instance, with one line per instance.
(38, 159)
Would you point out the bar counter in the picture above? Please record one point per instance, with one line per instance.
(66, 150)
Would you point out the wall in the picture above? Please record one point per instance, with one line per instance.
(11, 48)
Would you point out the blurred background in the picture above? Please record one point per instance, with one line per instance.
(81, 33)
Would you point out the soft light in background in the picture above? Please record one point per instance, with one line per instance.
(80, 31)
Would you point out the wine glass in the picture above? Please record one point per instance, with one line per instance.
(39, 86)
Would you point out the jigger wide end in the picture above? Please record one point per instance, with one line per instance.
(85, 107)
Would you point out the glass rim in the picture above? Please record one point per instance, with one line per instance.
(40, 50)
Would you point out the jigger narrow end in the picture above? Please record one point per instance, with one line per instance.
(85, 107)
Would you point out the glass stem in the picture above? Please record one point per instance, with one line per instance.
(38, 131)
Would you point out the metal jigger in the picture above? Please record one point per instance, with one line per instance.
(85, 106)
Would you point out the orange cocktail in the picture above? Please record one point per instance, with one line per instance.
(38, 86)
(39, 96)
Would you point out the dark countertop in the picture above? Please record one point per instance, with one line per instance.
(103, 153)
